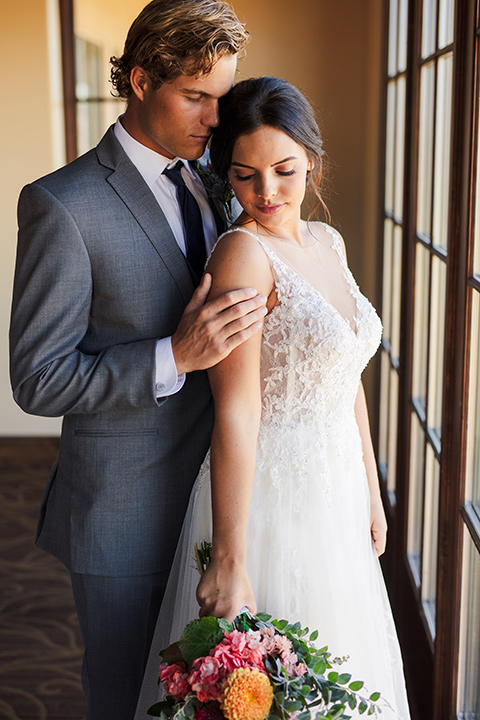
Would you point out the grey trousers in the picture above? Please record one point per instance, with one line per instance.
(117, 618)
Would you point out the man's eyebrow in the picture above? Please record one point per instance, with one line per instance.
(188, 91)
(249, 167)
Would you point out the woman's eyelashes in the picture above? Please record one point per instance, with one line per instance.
(282, 173)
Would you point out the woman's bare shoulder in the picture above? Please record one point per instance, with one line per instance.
(239, 260)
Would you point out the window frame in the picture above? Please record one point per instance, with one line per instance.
(432, 662)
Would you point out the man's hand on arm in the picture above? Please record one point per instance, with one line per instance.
(209, 331)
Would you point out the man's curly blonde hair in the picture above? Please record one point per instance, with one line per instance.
(177, 37)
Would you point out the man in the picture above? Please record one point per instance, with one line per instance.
(105, 327)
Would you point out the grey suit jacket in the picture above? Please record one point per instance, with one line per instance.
(99, 277)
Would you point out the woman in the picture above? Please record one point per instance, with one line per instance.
(291, 479)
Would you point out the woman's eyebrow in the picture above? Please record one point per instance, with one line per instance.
(287, 159)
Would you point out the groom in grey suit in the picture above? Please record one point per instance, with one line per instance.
(108, 331)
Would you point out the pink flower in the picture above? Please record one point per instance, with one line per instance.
(175, 680)
(300, 669)
(207, 678)
(235, 652)
(289, 662)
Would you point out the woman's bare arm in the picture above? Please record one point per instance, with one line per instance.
(378, 522)
(225, 588)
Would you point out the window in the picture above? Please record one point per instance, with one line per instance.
(89, 106)
(429, 442)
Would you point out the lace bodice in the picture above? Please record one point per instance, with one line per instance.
(312, 358)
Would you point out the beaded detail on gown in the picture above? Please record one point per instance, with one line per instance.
(310, 555)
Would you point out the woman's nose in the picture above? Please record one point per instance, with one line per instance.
(266, 188)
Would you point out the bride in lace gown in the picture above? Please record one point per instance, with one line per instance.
(298, 522)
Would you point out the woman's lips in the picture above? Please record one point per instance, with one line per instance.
(270, 209)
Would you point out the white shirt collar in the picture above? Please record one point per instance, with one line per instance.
(149, 163)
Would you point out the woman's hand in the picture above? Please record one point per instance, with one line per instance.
(224, 590)
(378, 525)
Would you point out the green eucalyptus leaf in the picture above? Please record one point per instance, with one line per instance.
(292, 706)
(313, 636)
(336, 712)
(362, 707)
(356, 685)
(264, 617)
(189, 711)
(344, 678)
(375, 696)
(333, 677)
(319, 667)
(352, 701)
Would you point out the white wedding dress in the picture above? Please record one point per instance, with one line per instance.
(310, 555)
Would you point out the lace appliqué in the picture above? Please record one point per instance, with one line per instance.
(311, 363)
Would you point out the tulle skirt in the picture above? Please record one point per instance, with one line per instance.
(310, 559)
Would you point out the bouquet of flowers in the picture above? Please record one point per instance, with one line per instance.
(255, 669)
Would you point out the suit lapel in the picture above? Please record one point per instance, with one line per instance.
(138, 198)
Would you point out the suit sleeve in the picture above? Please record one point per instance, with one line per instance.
(50, 316)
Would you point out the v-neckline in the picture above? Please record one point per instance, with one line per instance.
(350, 286)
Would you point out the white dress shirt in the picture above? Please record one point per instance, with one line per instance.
(151, 165)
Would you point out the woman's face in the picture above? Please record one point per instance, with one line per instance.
(268, 174)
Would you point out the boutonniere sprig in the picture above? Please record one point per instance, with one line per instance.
(217, 189)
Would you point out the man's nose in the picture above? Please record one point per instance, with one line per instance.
(211, 117)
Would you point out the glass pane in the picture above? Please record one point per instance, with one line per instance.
(443, 124)
(396, 290)
(469, 661)
(415, 496)
(445, 23)
(436, 345)
(420, 344)
(473, 438)
(387, 279)
(425, 150)
(477, 210)
(392, 37)
(428, 27)
(402, 35)
(399, 148)
(390, 144)
(384, 411)
(430, 537)
(90, 127)
(392, 431)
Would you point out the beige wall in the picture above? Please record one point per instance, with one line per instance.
(28, 150)
(330, 50)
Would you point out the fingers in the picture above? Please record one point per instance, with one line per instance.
(208, 332)
(235, 300)
(200, 295)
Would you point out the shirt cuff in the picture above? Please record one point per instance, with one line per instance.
(167, 381)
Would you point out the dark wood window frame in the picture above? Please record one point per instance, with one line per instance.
(432, 663)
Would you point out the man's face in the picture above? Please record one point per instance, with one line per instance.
(177, 119)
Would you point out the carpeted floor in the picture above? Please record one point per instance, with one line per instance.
(40, 641)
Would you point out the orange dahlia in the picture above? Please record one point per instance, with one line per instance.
(247, 695)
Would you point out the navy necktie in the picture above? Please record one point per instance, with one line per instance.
(192, 220)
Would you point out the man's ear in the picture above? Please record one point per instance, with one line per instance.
(139, 81)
